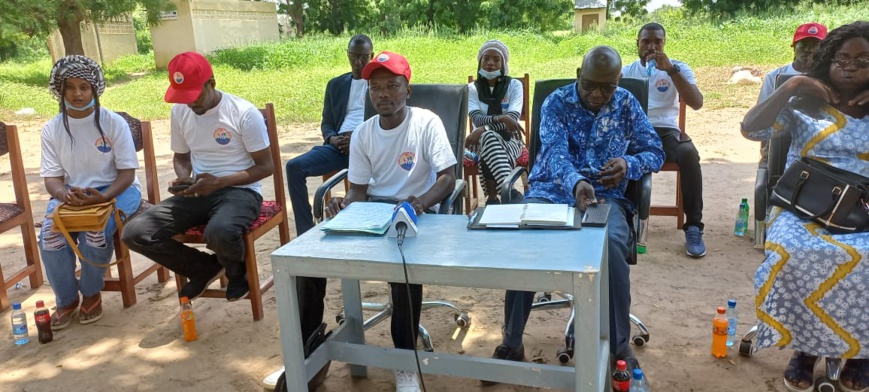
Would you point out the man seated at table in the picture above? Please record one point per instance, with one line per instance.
(401, 154)
(594, 137)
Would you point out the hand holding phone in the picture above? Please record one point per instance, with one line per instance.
(178, 188)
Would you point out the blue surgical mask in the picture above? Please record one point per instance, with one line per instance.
(490, 75)
(86, 107)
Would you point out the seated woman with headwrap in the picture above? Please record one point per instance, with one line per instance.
(88, 157)
(495, 102)
(813, 287)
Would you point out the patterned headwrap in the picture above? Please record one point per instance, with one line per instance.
(499, 47)
(76, 67)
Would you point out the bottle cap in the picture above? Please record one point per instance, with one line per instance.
(184, 300)
(40, 304)
(621, 365)
(638, 374)
(16, 306)
(721, 310)
(731, 303)
(745, 199)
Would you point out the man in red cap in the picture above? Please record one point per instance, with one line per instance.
(400, 155)
(221, 151)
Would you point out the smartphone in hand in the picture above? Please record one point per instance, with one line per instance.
(178, 188)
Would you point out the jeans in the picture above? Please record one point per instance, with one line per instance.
(226, 214)
(321, 160)
(59, 258)
(684, 154)
(517, 304)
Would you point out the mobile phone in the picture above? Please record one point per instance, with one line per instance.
(178, 188)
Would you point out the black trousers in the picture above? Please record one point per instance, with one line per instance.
(684, 154)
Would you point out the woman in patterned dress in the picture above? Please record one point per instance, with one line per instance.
(812, 290)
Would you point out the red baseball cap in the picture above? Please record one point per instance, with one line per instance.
(393, 62)
(188, 72)
(810, 30)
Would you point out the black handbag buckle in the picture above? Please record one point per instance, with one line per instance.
(804, 175)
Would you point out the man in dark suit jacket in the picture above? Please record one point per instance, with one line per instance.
(343, 110)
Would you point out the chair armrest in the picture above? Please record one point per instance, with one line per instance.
(515, 175)
(320, 195)
(448, 203)
(645, 203)
(761, 194)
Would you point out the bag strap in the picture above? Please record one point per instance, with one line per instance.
(119, 217)
(797, 188)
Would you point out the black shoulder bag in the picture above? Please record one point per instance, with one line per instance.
(832, 197)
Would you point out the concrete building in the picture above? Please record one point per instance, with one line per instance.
(589, 14)
(102, 42)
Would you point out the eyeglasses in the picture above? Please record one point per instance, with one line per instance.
(358, 56)
(860, 62)
(590, 86)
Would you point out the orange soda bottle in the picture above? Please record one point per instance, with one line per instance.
(719, 334)
(188, 321)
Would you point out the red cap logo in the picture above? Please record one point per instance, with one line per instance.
(192, 68)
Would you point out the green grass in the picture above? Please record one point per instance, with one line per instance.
(293, 73)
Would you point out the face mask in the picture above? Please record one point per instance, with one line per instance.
(86, 107)
(490, 75)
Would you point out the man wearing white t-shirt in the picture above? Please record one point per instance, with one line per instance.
(669, 81)
(221, 148)
(343, 111)
(401, 154)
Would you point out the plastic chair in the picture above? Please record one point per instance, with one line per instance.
(677, 209)
(18, 214)
(768, 174)
(472, 172)
(450, 103)
(273, 215)
(639, 192)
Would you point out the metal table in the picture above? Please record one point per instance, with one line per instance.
(446, 253)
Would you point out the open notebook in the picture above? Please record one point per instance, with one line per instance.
(361, 217)
(525, 216)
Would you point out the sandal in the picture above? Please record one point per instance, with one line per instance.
(61, 317)
(856, 371)
(800, 369)
(87, 316)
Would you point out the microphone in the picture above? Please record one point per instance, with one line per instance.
(403, 222)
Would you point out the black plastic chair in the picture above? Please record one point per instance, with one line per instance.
(450, 103)
(639, 192)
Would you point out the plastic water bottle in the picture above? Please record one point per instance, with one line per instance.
(719, 334)
(471, 156)
(20, 334)
(741, 219)
(732, 322)
(621, 377)
(638, 384)
(188, 320)
(650, 67)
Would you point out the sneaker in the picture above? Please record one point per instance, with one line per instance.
(272, 379)
(196, 286)
(406, 381)
(237, 289)
(694, 242)
(504, 352)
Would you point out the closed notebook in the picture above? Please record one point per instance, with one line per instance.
(361, 217)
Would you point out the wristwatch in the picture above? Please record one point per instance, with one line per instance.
(674, 70)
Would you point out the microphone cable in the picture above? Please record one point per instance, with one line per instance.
(401, 227)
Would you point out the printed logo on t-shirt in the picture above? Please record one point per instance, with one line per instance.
(662, 85)
(406, 160)
(103, 145)
(505, 104)
(178, 77)
(222, 136)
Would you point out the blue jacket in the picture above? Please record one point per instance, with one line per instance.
(335, 104)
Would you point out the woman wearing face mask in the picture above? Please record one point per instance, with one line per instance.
(494, 103)
(88, 157)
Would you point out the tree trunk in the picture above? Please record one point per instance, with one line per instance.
(297, 15)
(70, 30)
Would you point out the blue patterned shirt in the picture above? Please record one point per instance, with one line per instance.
(575, 143)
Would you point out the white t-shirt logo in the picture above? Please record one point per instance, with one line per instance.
(662, 85)
(103, 145)
(222, 136)
(406, 160)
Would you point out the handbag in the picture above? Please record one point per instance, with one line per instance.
(69, 218)
(832, 197)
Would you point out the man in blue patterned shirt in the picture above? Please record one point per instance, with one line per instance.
(594, 137)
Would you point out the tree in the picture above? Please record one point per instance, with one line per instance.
(631, 8)
(67, 16)
(726, 8)
(296, 11)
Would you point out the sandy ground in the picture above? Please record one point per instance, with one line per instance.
(141, 349)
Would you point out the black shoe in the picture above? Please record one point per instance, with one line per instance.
(629, 358)
(237, 289)
(516, 197)
(313, 342)
(196, 286)
(504, 351)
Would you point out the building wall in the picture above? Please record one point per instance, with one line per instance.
(589, 18)
(208, 25)
(117, 38)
